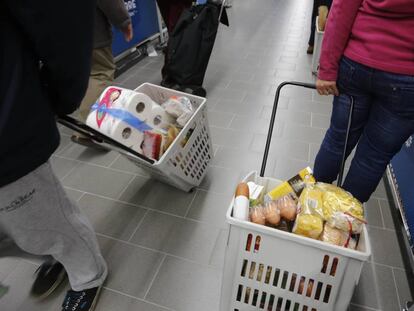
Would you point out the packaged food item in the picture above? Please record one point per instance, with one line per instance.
(151, 145)
(311, 201)
(179, 107)
(287, 207)
(187, 137)
(170, 136)
(346, 222)
(241, 202)
(341, 209)
(256, 193)
(257, 215)
(272, 213)
(293, 186)
(308, 225)
(338, 237)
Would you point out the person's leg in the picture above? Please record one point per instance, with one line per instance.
(353, 80)
(37, 214)
(390, 124)
(102, 75)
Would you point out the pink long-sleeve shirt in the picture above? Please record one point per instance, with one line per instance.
(375, 33)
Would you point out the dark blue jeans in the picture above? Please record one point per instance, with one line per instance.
(383, 120)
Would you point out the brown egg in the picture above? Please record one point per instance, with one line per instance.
(272, 213)
(257, 216)
(287, 208)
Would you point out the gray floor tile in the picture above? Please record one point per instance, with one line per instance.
(220, 180)
(238, 107)
(219, 251)
(245, 86)
(74, 195)
(255, 125)
(354, 307)
(123, 164)
(403, 282)
(226, 94)
(288, 116)
(7, 265)
(220, 119)
(237, 159)
(373, 213)
(111, 301)
(210, 208)
(85, 154)
(131, 268)
(97, 180)
(376, 288)
(266, 100)
(385, 247)
(386, 214)
(112, 218)
(64, 143)
(61, 166)
(226, 137)
(156, 195)
(175, 287)
(177, 236)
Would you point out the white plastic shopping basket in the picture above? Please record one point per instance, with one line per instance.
(182, 165)
(272, 270)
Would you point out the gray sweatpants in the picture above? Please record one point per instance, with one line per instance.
(37, 214)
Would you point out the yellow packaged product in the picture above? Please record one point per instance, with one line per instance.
(308, 225)
(311, 201)
(341, 209)
(293, 186)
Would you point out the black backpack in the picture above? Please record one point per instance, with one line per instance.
(191, 43)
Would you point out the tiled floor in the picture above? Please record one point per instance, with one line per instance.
(165, 248)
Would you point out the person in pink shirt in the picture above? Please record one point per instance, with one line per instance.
(368, 53)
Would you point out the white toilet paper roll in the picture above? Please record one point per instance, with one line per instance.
(117, 130)
(144, 108)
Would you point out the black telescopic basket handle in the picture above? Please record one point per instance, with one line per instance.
(272, 123)
(93, 134)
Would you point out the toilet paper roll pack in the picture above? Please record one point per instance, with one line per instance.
(118, 130)
(141, 106)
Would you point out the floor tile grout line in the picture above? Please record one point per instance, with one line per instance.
(126, 187)
(365, 307)
(136, 298)
(155, 276)
(231, 121)
(206, 265)
(116, 159)
(152, 209)
(70, 172)
(191, 204)
(81, 197)
(386, 266)
(99, 166)
(138, 225)
(382, 228)
(396, 287)
(382, 214)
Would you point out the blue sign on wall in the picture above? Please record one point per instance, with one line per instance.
(144, 22)
(403, 168)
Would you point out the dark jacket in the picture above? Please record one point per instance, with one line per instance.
(109, 12)
(59, 34)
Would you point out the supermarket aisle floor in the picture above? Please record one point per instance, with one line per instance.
(165, 248)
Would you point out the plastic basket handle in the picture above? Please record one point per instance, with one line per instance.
(93, 134)
(272, 123)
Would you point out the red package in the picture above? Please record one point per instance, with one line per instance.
(151, 146)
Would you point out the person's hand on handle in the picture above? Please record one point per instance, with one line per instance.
(327, 87)
(128, 32)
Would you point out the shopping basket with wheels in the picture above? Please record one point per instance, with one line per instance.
(273, 270)
(183, 165)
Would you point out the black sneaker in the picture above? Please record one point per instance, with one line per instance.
(49, 276)
(85, 300)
